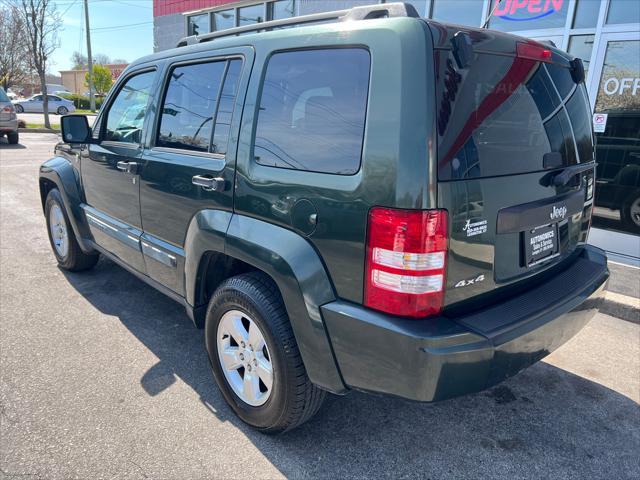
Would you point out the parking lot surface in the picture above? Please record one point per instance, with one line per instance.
(103, 377)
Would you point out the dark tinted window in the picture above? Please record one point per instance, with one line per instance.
(312, 110)
(578, 110)
(125, 117)
(189, 106)
(562, 79)
(225, 107)
(500, 118)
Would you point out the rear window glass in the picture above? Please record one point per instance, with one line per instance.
(578, 110)
(3, 96)
(501, 116)
(312, 110)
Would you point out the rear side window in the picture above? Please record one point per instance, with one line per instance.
(312, 110)
(198, 105)
(504, 114)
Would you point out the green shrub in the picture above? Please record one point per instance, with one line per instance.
(81, 101)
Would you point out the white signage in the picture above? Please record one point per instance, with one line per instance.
(599, 122)
(619, 86)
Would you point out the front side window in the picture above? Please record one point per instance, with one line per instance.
(127, 111)
(312, 110)
(198, 106)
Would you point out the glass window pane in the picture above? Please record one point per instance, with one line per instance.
(578, 110)
(189, 105)
(126, 114)
(586, 15)
(250, 15)
(516, 15)
(224, 19)
(623, 11)
(281, 9)
(620, 82)
(312, 110)
(464, 12)
(581, 46)
(199, 24)
(225, 107)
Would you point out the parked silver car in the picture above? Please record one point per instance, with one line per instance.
(8, 119)
(57, 104)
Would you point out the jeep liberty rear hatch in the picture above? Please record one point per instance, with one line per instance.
(515, 158)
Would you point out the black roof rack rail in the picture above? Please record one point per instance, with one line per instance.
(385, 10)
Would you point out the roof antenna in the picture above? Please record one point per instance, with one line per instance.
(486, 22)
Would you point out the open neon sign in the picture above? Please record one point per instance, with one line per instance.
(533, 9)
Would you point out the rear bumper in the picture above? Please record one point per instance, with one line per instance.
(7, 126)
(445, 357)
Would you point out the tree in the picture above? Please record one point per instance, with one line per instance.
(102, 80)
(79, 61)
(101, 59)
(14, 67)
(42, 22)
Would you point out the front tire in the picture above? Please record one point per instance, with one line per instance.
(63, 241)
(63, 110)
(19, 108)
(255, 358)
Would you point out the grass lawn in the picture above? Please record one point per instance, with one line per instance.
(41, 125)
(85, 112)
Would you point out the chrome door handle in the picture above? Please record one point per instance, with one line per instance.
(208, 183)
(127, 167)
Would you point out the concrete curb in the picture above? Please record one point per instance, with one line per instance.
(621, 306)
(38, 130)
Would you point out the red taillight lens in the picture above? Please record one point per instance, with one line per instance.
(8, 109)
(533, 51)
(406, 261)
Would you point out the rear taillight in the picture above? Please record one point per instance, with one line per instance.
(406, 261)
(8, 109)
(533, 51)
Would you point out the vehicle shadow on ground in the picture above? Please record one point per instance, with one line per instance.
(6, 146)
(543, 422)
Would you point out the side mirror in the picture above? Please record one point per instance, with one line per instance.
(75, 129)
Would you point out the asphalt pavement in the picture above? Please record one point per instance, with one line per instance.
(103, 377)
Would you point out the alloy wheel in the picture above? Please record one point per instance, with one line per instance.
(244, 357)
(58, 229)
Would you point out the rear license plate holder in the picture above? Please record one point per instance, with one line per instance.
(540, 244)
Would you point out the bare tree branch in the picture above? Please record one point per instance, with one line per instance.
(42, 23)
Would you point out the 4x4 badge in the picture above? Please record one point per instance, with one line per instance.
(558, 212)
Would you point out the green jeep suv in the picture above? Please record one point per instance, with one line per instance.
(369, 201)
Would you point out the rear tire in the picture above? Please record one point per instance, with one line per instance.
(13, 138)
(290, 399)
(631, 212)
(63, 241)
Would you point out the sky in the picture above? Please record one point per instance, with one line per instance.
(119, 29)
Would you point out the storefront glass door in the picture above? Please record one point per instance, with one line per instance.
(615, 92)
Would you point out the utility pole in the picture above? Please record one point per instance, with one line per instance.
(92, 99)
